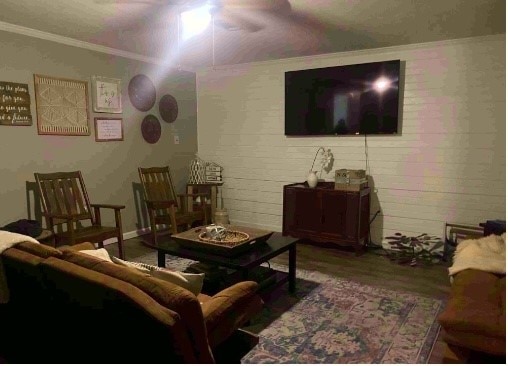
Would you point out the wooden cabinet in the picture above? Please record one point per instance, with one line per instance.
(327, 215)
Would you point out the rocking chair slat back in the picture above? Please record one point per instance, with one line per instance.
(157, 184)
(64, 194)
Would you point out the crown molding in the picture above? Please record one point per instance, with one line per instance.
(34, 33)
(362, 52)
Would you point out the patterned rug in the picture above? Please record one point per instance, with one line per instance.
(333, 320)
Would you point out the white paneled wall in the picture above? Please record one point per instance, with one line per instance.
(449, 163)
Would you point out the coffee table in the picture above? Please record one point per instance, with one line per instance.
(245, 262)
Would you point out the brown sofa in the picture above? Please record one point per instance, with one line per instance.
(69, 307)
(475, 315)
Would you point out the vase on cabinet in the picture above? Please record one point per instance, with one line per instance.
(312, 179)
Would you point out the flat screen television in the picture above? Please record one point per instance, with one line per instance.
(343, 100)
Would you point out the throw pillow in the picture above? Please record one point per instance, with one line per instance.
(189, 281)
(98, 253)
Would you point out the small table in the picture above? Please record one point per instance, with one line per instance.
(245, 262)
(212, 188)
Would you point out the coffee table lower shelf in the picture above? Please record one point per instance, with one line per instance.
(267, 278)
(267, 289)
(222, 272)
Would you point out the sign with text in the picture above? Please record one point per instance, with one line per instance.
(108, 129)
(14, 104)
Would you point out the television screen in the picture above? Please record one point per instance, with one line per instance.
(343, 100)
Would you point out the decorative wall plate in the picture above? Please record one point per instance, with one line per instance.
(151, 129)
(168, 108)
(142, 92)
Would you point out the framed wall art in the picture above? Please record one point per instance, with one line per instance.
(106, 94)
(62, 106)
(108, 129)
(14, 104)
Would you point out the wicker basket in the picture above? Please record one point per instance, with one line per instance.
(232, 239)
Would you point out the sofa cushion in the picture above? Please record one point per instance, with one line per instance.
(81, 246)
(229, 309)
(475, 315)
(98, 253)
(167, 294)
(475, 341)
(39, 250)
(91, 302)
(190, 281)
(474, 304)
(28, 309)
(23, 277)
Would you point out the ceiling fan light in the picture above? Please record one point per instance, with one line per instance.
(195, 21)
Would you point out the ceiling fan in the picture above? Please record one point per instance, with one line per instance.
(230, 15)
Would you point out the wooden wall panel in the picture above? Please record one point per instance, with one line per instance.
(449, 163)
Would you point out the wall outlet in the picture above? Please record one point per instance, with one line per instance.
(176, 139)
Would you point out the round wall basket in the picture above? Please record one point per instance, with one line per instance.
(142, 92)
(151, 129)
(168, 108)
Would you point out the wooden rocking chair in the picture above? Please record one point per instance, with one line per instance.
(166, 207)
(65, 201)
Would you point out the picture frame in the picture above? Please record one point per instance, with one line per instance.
(15, 104)
(108, 129)
(62, 106)
(106, 94)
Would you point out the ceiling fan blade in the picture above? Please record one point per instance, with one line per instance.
(231, 20)
(309, 21)
(257, 5)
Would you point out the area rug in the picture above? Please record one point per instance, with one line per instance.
(333, 320)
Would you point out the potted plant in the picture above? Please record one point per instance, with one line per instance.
(414, 249)
(326, 164)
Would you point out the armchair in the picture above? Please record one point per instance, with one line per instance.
(65, 201)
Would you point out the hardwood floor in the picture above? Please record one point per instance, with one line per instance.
(371, 268)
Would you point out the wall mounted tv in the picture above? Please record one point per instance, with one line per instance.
(343, 100)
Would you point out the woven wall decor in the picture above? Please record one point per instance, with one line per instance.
(151, 129)
(62, 106)
(142, 92)
(168, 108)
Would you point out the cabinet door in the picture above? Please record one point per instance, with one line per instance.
(353, 216)
(307, 210)
(334, 208)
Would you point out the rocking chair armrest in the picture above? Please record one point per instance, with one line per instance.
(160, 204)
(114, 207)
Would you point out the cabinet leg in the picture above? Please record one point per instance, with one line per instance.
(292, 268)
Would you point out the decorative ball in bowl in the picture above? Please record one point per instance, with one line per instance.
(216, 232)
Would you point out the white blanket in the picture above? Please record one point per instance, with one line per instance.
(485, 254)
(8, 240)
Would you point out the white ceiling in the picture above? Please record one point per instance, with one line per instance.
(149, 27)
